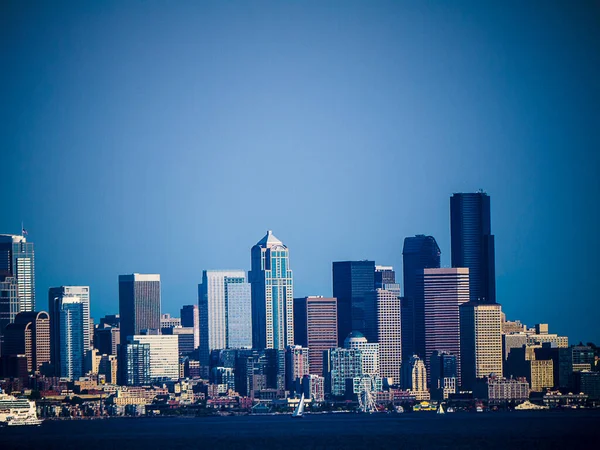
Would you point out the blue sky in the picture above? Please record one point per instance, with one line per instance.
(167, 138)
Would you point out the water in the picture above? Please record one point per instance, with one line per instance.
(493, 430)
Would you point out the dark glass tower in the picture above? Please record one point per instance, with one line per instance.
(351, 281)
(419, 252)
(139, 304)
(472, 243)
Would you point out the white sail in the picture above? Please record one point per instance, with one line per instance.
(300, 408)
(441, 410)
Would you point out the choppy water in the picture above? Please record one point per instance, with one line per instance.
(493, 430)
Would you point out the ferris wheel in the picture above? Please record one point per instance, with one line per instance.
(366, 396)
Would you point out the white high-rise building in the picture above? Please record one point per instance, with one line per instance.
(369, 352)
(389, 334)
(164, 355)
(223, 305)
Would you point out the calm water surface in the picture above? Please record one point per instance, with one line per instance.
(495, 430)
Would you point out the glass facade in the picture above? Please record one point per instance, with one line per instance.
(419, 252)
(139, 303)
(351, 281)
(72, 348)
(272, 292)
(472, 243)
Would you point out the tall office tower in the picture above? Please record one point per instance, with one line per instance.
(384, 275)
(29, 335)
(219, 290)
(272, 294)
(164, 355)
(134, 363)
(369, 352)
(443, 374)
(56, 295)
(296, 366)
(107, 339)
(315, 327)
(17, 278)
(419, 252)
(190, 318)
(388, 331)
(71, 326)
(351, 281)
(443, 291)
(414, 375)
(480, 342)
(472, 243)
(239, 315)
(139, 303)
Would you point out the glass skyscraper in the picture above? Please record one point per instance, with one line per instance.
(139, 303)
(272, 294)
(351, 281)
(71, 326)
(17, 278)
(419, 252)
(224, 311)
(472, 243)
(56, 298)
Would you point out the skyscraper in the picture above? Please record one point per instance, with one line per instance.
(222, 296)
(272, 294)
(480, 342)
(419, 252)
(444, 290)
(315, 327)
(29, 335)
(351, 281)
(472, 243)
(190, 318)
(78, 298)
(296, 366)
(139, 303)
(17, 278)
(389, 333)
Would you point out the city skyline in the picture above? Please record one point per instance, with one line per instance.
(124, 143)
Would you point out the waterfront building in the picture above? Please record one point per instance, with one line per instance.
(190, 318)
(369, 352)
(414, 375)
(260, 372)
(315, 327)
(419, 252)
(139, 303)
(343, 364)
(502, 390)
(443, 374)
(221, 293)
(389, 333)
(164, 355)
(272, 294)
(351, 281)
(542, 374)
(314, 387)
(17, 277)
(587, 382)
(29, 335)
(296, 366)
(442, 292)
(574, 359)
(480, 342)
(472, 243)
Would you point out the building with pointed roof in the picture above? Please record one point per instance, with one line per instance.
(272, 292)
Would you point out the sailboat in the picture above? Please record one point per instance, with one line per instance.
(299, 411)
(441, 410)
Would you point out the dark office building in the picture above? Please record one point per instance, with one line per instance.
(134, 364)
(472, 243)
(384, 275)
(419, 252)
(351, 281)
(442, 365)
(139, 304)
(107, 339)
(259, 370)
